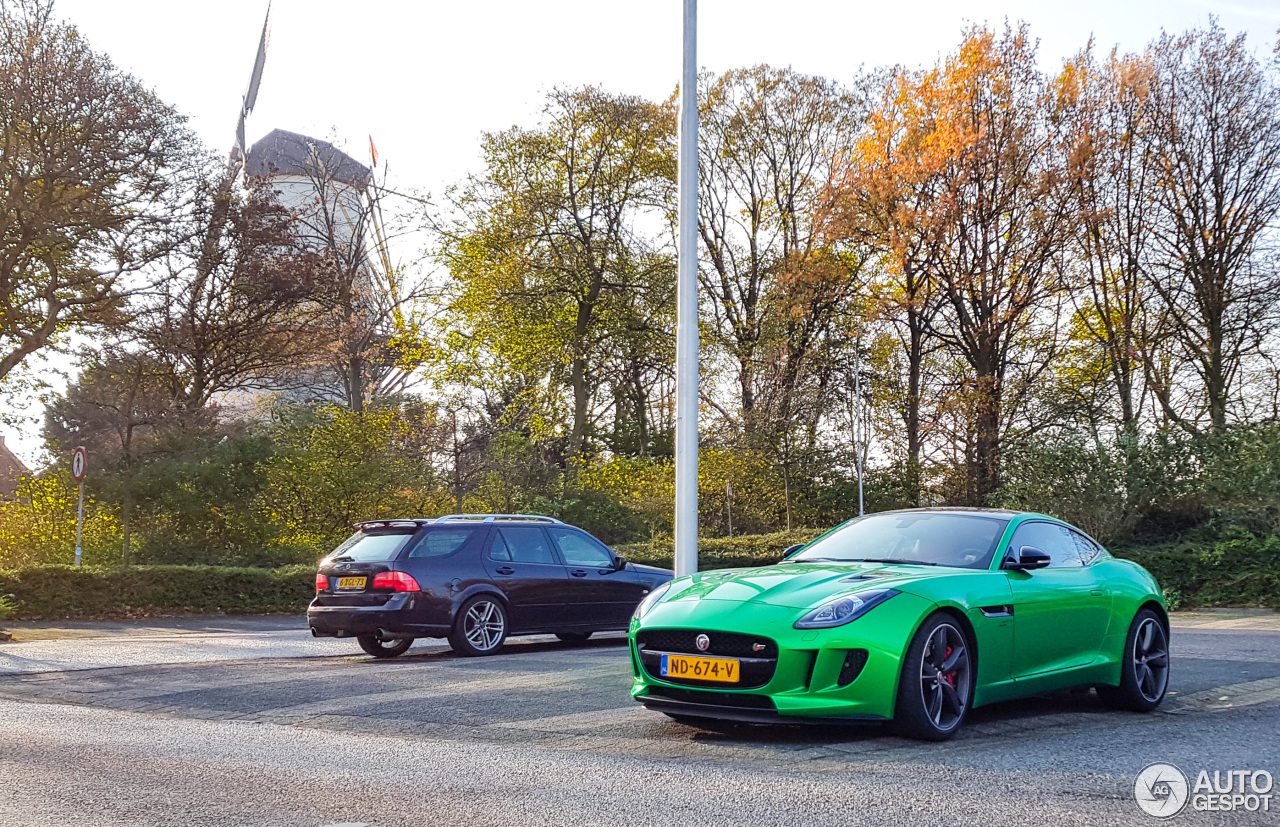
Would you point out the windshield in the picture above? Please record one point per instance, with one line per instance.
(373, 547)
(932, 538)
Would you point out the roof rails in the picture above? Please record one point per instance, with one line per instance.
(367, 525)
(490, 518)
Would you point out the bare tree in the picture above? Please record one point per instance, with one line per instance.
(370, 309)
(1113, 178)
(778, 289)
(238, 314)
(1215, 121)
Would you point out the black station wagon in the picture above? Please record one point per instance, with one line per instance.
(475, 579)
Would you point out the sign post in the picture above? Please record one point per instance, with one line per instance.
(79, 465)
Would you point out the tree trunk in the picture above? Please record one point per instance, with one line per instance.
(985, 468)
(578, 378)
(915, 358)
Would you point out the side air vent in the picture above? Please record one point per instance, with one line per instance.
(852, 668)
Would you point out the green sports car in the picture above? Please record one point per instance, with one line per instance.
(913, 617)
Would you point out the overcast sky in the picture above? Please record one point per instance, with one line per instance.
(426, 78)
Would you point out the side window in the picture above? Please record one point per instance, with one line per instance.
(437, 542)
(579, 549)
(1052, 539)
(498, 550)
(1087, 548)
(526, 544)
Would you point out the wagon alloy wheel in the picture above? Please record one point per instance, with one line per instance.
(944, 677)
(936, 687)
(484, 625)
(1151, 660)
(480, 627)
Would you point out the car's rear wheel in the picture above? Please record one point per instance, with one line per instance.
(574, 637)
(1144, 670)
(936, 686)
(384, 648)
(480, 627)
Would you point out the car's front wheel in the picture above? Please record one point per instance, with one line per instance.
(935, 689)
(480, 627)
(379, 648)
(1144, 668)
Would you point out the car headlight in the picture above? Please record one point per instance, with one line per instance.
(844, 609)
(650, 599)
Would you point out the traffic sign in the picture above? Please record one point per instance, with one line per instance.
(79, 464)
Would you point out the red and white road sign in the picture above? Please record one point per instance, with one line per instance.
(79, 464)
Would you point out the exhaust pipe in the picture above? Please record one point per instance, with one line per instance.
(383, 634)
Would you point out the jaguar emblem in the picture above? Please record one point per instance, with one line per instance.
(702, 642)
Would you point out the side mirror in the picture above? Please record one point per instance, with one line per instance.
(619, 562)
(792, 550)
(1029, 557)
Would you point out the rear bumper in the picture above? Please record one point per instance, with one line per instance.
(394, 617)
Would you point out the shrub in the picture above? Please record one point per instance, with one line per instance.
(39, 525)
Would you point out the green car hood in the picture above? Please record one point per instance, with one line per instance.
(801, 585)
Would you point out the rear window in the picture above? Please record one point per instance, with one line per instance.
(372, 547)
(437, 542)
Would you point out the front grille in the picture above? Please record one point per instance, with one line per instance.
(725, 644)
(701, 696)
(756, 666)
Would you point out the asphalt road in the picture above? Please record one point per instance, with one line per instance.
(253, 723)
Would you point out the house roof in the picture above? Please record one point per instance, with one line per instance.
(281, 152)
(11, 468)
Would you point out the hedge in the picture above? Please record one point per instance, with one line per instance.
(59, 592)
(721, 552)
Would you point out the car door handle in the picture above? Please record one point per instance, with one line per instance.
(579, 572)
(505, 570)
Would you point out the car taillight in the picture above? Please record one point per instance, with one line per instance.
(397, 580)
(322, 582)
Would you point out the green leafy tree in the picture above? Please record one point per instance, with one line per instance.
(557, 255)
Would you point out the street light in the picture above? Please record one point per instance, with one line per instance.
(686, 516)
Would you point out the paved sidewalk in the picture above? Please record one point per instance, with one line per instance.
(1257, 620)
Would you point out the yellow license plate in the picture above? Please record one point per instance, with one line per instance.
(351, 582)
(721, 670)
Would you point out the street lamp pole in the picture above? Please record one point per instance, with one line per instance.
(686, 516)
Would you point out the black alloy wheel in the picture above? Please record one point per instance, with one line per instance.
(936, 686)
(1144, 670)
(372, 645)
(480, 627)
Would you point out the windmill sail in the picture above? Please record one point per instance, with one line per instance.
(255, 80)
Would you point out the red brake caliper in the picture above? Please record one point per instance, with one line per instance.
(950, 677)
